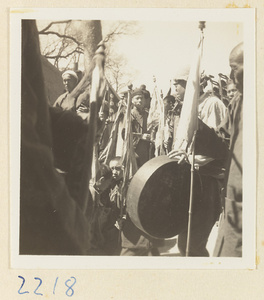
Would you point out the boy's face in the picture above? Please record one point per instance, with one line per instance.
(231, 90)
(117, 169)
(166, 103)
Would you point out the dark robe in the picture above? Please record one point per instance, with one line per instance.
(226, 143)
(51, 221)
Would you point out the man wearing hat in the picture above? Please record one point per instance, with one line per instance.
(133, 241)
(70, 80)
(179, 82)
(146, 95)
(66, 101)
(141, 138)
(173, 116)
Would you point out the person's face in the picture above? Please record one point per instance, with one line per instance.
(180, 91)
(111, 111)
(139, 102)
(231, 90)
(166, 103)
(117, 169)
(236, 71)
(69, 82)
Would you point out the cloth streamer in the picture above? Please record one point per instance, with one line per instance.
(188, 123)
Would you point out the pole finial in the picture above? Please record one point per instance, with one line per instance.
(201, 25)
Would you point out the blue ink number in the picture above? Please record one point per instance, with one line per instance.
(55, 285)
(69, 284)
(70, 290)
(19, 291)
(40, 282)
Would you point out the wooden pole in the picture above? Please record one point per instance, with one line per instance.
(96, 94)
(125, 160)
(191, 200)
(188, 244)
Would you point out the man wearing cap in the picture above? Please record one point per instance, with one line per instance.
(70, 80)
(179, 82)
(146, 94)
(180, 86)
(133, 241)
(141, 138)
(66, 101)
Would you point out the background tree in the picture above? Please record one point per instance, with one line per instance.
(58, 45)
(72, 43)
(118, 71)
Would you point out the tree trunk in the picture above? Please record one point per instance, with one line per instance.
(91, 36)
(92, 31)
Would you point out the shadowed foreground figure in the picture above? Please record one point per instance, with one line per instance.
(214, 144)
(208, 177)
(51, 220)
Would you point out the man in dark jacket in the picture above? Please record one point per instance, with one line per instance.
(215, 144)
(141, 137)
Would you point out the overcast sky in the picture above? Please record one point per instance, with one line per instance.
(164, 48)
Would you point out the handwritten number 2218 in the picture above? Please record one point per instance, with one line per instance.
(69, 292)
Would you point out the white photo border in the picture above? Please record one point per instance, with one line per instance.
(245, 16)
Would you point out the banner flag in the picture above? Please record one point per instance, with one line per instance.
(128, 154)
(188, 123)
(156, 119)
(156, 108)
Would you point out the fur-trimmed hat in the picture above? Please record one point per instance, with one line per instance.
(137, 92)
(181, 75)
(71, 73)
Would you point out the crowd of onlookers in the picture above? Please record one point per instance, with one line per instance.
(73, 189)
(146, 112)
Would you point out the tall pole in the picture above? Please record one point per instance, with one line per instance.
(190, 212)
(191, 199)
(96, 94)
(126, 160)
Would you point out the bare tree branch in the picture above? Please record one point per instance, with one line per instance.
(122, 28)
(52, 48)
(69, 62)
(66, 55)
(61, 36)
(66, 44)
(52, 23)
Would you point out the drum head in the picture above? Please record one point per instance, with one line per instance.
(158, 197)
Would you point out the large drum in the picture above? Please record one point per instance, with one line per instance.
(158, 197)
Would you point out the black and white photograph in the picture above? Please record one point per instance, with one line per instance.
(131, 143)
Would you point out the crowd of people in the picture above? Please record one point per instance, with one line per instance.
(125, 140)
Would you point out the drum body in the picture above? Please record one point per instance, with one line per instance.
(158, 197)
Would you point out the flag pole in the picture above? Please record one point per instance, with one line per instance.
(201, 27)
(125, 162)
(191, 198)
